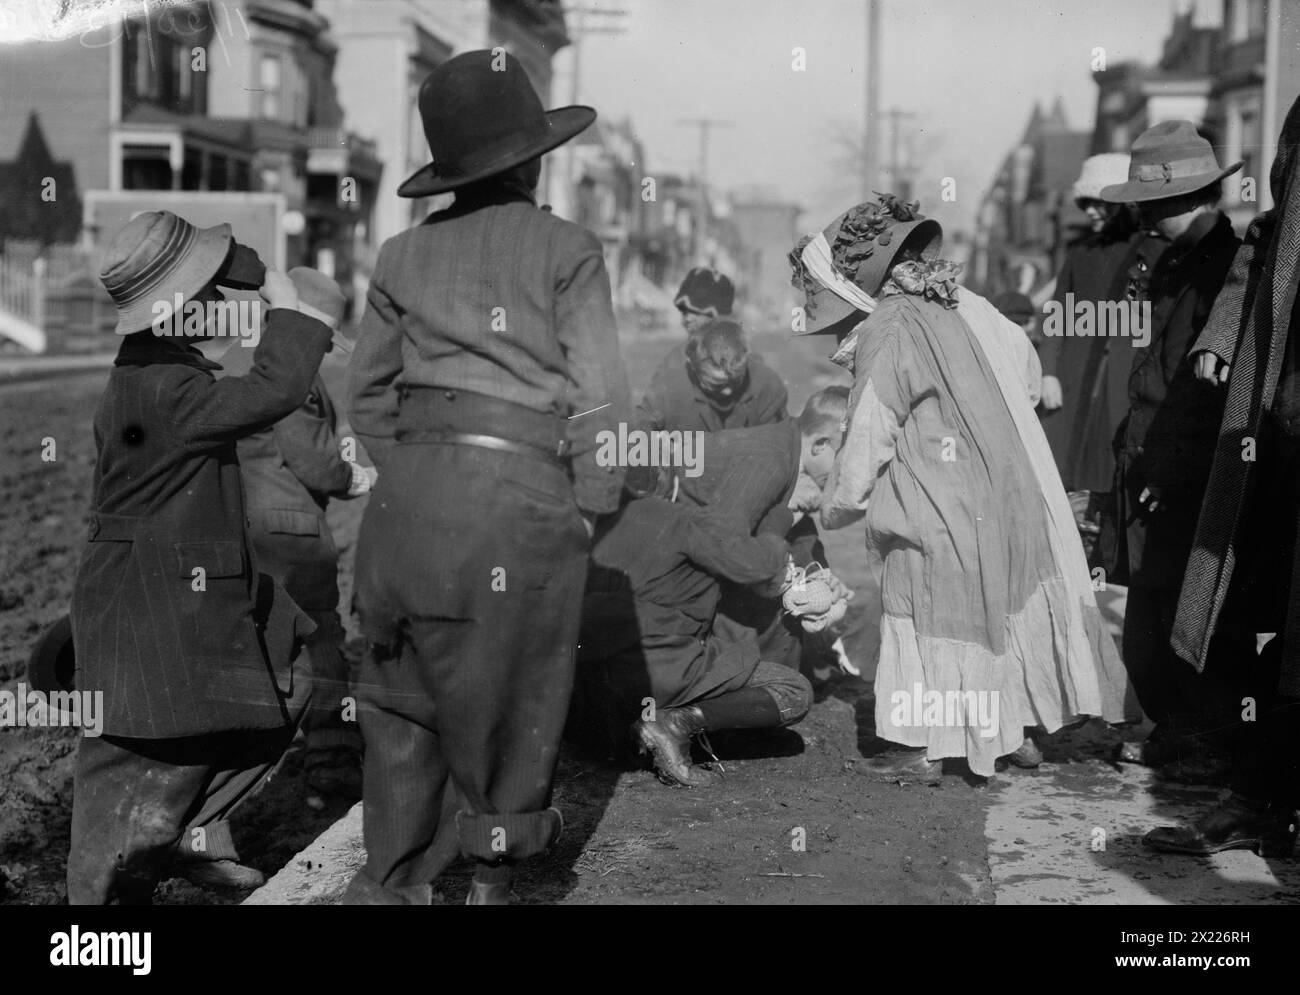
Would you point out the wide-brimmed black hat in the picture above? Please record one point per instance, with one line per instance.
(481, 117)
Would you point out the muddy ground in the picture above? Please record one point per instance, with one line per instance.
(790, 822)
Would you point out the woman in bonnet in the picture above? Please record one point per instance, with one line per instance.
(989, 624)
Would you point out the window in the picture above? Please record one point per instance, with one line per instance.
(271, 84)
(1251, 140)
(146, 167)
(217, 173)
(1246, 19)
(184, 78)
(146, 80)
(1256, 17)
(192, 169)
(300, 98)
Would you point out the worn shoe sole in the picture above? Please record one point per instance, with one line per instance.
(920, 770)
(649, 745)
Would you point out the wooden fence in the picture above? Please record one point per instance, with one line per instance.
(57, 290)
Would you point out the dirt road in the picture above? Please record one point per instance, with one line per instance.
(787, 824)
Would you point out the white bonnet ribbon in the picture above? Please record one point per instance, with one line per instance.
(816, 257)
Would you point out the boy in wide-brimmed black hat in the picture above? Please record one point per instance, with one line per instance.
(495, 321)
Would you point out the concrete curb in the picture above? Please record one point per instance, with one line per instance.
(321, 872)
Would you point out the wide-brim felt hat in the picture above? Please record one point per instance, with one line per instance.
(1168, 160)
(156, 256)
(481, 117)
(826, 312)
(53, 663)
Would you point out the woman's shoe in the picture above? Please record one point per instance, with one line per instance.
(902, 765)
(1237, 824)
(1027, 756)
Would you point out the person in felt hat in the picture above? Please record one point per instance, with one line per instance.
(987, 598)
(1085, 379)
(192, 646)
(1244, 570)
(290, 471)
(1166, 445)
(486, 367)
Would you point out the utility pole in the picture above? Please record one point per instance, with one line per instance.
(700, 231)
(901, 183)
(871, 100)
(579, 29)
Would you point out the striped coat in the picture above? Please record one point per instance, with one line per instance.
(171, 619)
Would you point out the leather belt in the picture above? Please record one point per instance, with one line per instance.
(555, 455)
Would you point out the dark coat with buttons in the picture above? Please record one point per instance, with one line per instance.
(290, 471)
(171, 618)
(1168, 440)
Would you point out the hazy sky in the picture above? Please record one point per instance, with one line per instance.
(970, 70)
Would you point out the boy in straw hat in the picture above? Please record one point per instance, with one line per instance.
(486, 368)
(191, 646)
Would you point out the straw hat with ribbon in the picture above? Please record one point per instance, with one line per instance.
(1168, 160)
(842, 268)
(155, 256)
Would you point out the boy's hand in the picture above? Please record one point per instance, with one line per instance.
(1210, 368)
(278, 290)
(807, 495)
(363, 479)
(1051, 393)
(841, 590)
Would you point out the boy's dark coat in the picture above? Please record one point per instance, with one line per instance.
(172, 660)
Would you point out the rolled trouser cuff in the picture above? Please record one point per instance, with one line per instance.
(508, 835)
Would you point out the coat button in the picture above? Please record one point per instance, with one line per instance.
(449, 394)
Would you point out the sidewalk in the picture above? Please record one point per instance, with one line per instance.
(23, 369)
